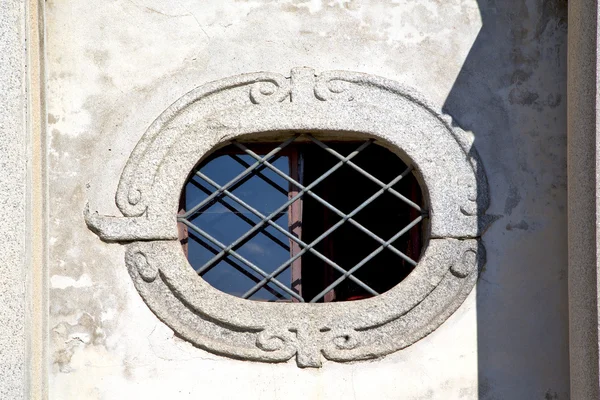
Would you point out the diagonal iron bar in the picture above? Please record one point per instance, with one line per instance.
(248, 234)
(289, 235)
(238, 267)
(239, 176)
(364, 173)
(366, 259)
(331, 207)
(255, 172)
(250, 175)
(260, 175)
(239, 257)
(283, 266)
(234, 210)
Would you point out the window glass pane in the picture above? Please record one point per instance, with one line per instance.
(226, 220)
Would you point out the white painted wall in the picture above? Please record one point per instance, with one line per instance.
(497, 67)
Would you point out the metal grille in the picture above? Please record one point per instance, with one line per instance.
(228, 251)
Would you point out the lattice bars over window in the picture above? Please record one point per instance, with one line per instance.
(304, 220)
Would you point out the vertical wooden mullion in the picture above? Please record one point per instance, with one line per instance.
(295, 217)
(182, 228)
(328, 245)
(414, 245)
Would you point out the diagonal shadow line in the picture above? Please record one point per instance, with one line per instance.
(237, 266)
(261, 175)
(242, 216)
(241, 175)
(250, 175)
(227, 250)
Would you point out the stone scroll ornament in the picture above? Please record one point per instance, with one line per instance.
(330, 104)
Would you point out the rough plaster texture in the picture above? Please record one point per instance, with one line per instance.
(498, 68)
(584, 163)
(13, 210)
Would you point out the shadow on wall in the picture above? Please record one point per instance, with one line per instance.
(511, 93)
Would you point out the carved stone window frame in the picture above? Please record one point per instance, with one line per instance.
(332, 104)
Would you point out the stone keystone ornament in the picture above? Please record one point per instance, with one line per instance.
(270, 105)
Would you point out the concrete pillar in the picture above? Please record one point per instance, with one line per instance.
(13, 201)
(23, 373)
(583, 169)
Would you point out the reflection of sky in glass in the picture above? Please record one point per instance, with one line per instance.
(222, 221)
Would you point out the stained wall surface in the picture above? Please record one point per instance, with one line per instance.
(497, 67)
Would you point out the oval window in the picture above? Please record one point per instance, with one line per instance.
(275, 217)
(302, 220)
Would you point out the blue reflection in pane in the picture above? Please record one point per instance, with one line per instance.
(227, 220)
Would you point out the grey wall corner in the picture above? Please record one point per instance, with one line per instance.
(21, 202)
(13, 192)
(583, 192)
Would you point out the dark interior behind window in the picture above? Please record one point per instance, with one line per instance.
(225, 220)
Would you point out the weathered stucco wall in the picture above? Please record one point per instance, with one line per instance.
(498, 68)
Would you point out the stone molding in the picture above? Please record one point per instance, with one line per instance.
(333, 104)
